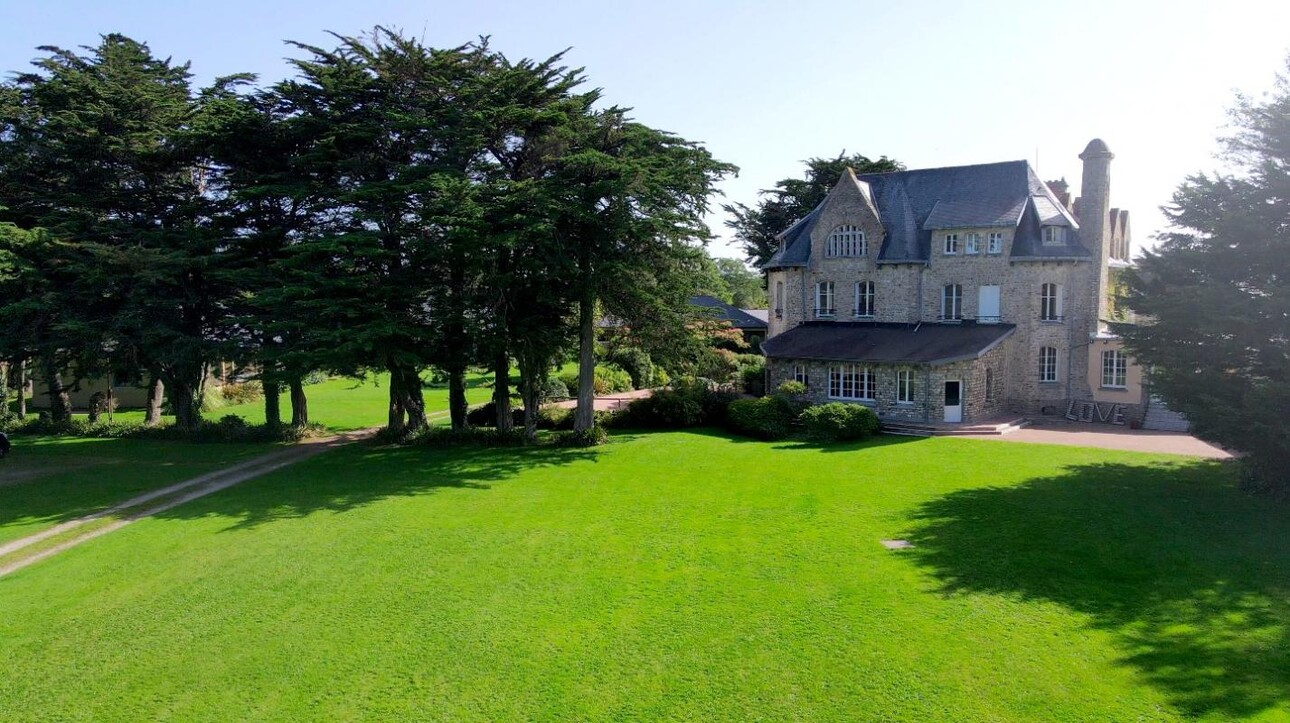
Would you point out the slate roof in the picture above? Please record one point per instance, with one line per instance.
(882, 343)
(912, 204)
(721, 311)
(762, 315)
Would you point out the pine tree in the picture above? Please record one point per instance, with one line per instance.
(1215, 297)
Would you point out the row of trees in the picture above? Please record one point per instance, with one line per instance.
(390, 207)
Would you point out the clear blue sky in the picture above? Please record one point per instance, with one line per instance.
(765, 85)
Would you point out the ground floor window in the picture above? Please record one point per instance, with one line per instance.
(851, 381)
(1115, 369)
(1047, 363)
(904, 386)
(800, 375)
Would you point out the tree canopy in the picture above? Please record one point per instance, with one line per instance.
(391, 206)
(756, 227)
(1214, 296)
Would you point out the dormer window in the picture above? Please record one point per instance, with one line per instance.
(1054, 235)
(846, 240)
(951, 244)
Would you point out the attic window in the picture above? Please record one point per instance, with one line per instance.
(846, 240)
(1054, 235)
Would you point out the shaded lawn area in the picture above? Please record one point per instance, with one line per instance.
(679, 576)
(47, 480)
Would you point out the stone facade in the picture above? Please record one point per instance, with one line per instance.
(912, 290)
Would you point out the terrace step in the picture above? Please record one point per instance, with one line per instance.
(934, 429)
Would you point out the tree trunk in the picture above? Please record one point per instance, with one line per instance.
(156, 390)
(187, 387)
(457, 405)
(4, 390)
(299, 403)
(414, 402)
(502, 392)
(584, 417)
(272, 403)
(60, 406)
(22, 389)
(529, 373)
(395, 422)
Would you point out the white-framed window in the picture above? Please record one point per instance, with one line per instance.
(846, 240)
(1047, 363)
(972, 244)
(951, 244)
(1054, 235)
(779, 299)
(952, 302)
(1115, 369)
(994, 243)
(824, 308)
(851, 381)
(800, 375)
(904, 386)
(864, 299)
(1050, 302)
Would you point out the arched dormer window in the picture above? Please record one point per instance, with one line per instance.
(846, 240)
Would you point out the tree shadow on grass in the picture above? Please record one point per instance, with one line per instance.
(1190, 576)
(874, 442)
(349, 478)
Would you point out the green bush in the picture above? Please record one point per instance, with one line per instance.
(242, 392)
(837, 421)
(611, 379)
(753, 377)
(791, 388)
(554, 390)
(636, 363)
(767, 418)
(687, 403)
(593, 437)
(570, 381)
(485, 416)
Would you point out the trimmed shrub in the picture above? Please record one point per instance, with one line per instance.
(837, 421)
(688, 403)
(570, 381)
(767, 418)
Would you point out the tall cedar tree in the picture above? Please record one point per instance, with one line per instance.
(634, 199)
(101, 154)
(386, 280)
(268, 205)
(791, 199)
(1215, 297)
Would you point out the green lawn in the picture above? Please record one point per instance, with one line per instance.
(347, 404)
(674, 576)
(50, 480)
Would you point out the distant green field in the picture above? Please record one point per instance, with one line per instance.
(344, 404)
(679, 576)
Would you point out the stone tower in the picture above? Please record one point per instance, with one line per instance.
(1094, 220)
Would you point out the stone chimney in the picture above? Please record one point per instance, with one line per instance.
(1094, 217)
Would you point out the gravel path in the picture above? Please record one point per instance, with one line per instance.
(160, 500)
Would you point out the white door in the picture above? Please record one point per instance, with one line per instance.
(987, 305)
(953, 400)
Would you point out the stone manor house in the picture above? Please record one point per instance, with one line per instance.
(957, 295)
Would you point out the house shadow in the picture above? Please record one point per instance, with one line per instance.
(1190, 576)
(367, 473)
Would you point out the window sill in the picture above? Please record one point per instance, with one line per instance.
(1052, 322)
(904, 404)
(1115, 387)
(864, 317)
(1046, 381)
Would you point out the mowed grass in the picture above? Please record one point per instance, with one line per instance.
(47, 480)
(674, 576)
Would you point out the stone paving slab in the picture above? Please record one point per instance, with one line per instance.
(1106, 436)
